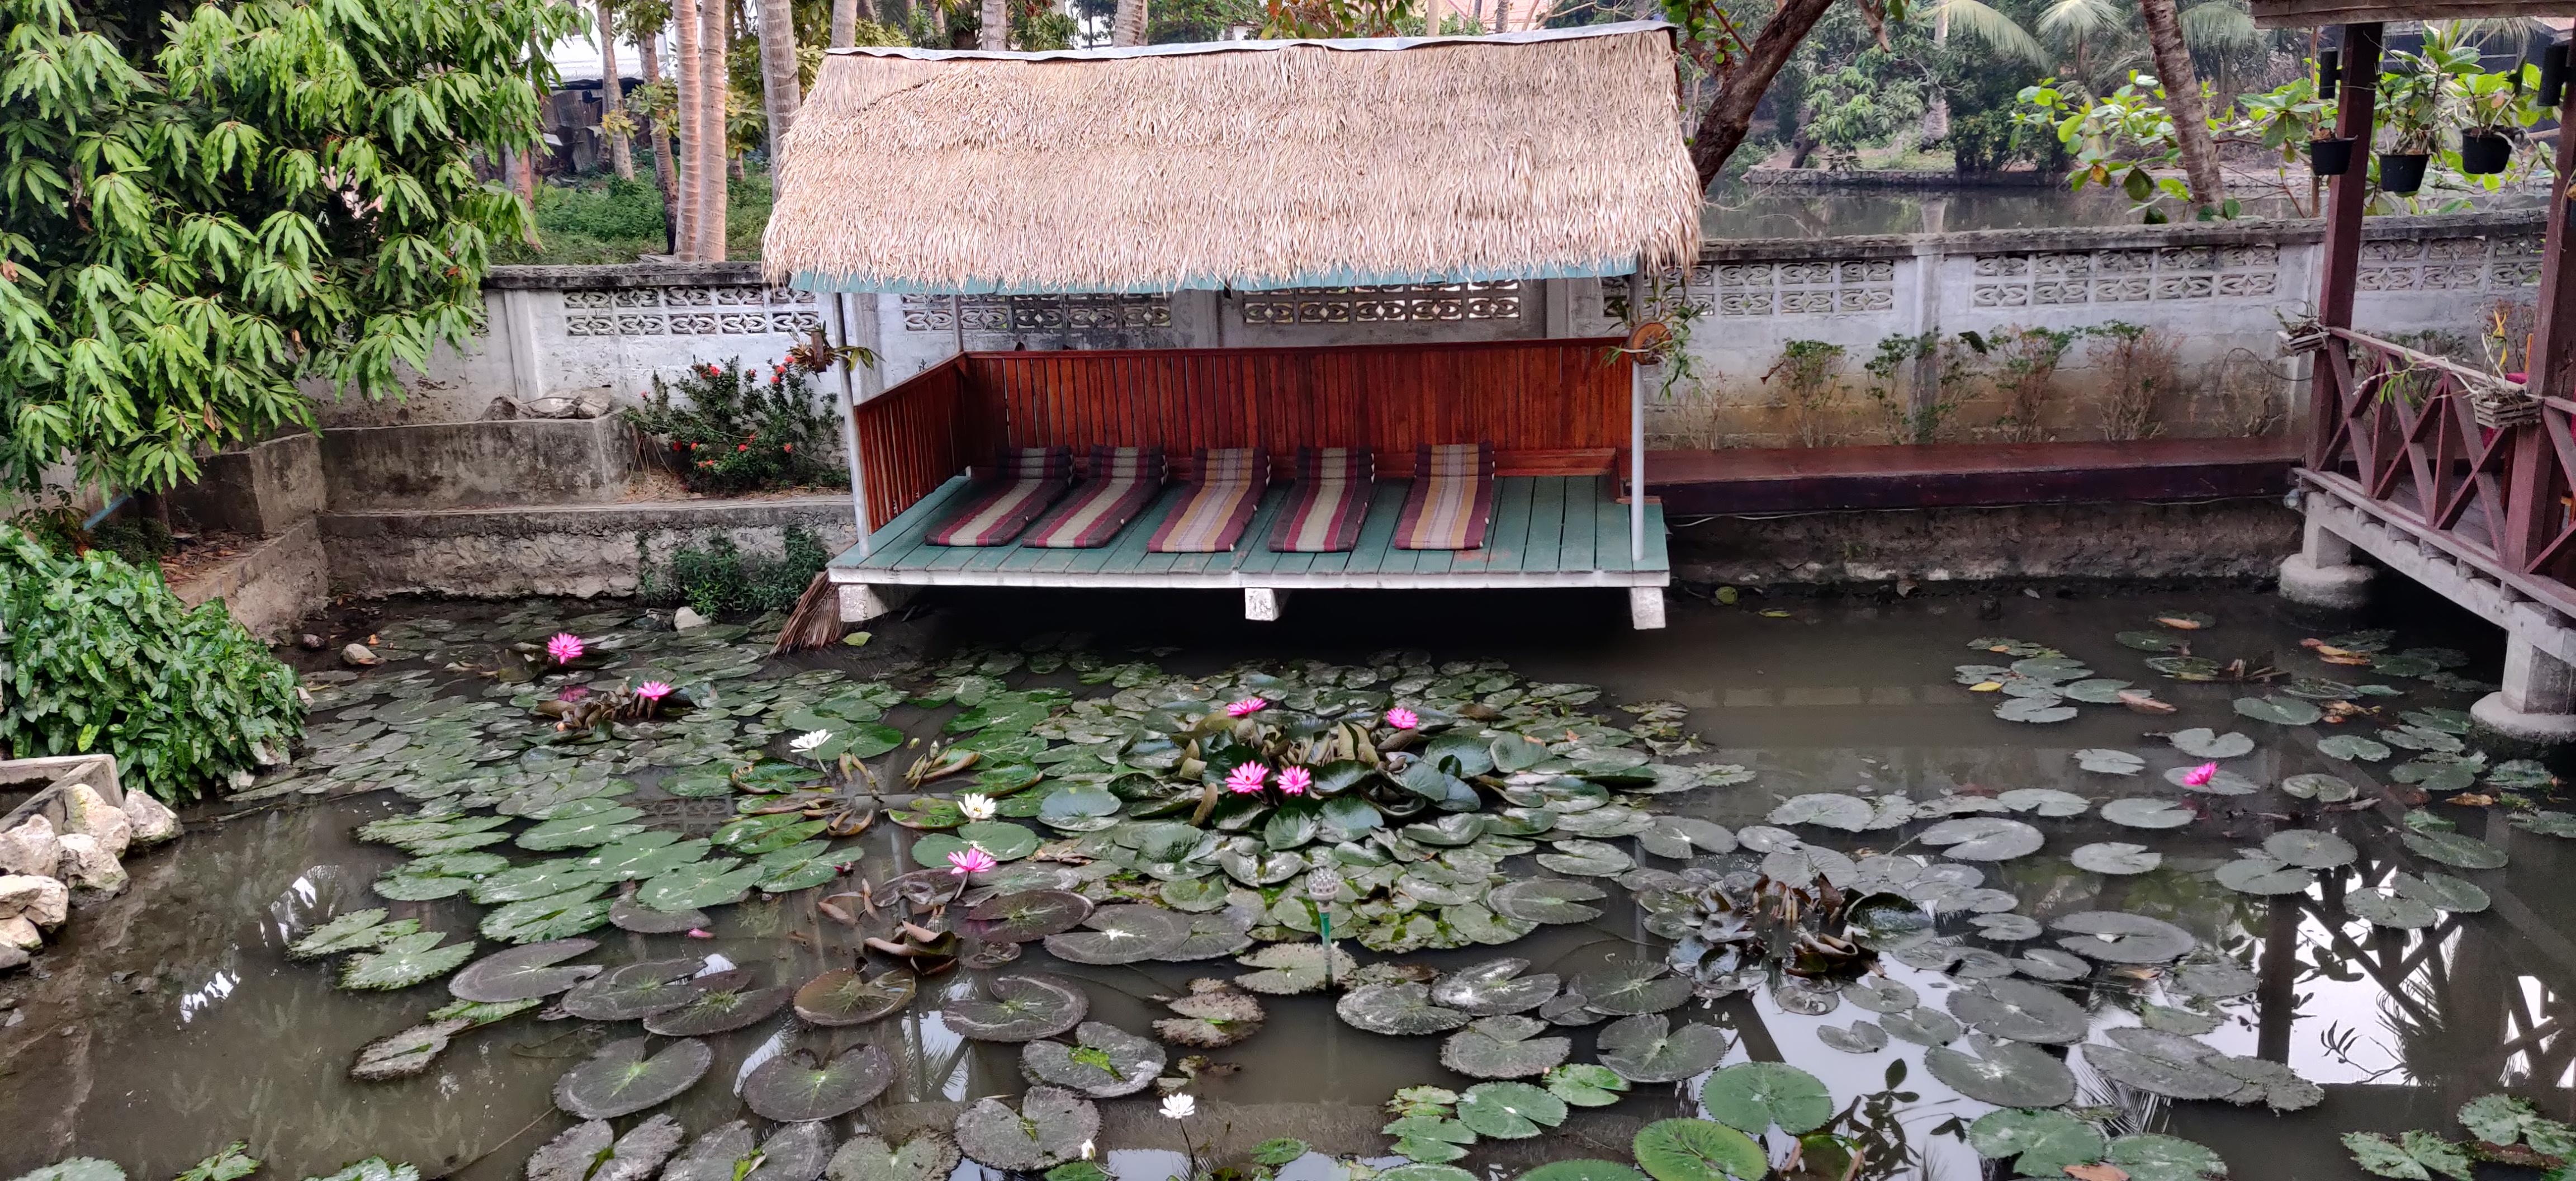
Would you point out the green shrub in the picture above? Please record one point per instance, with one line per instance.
(101, 656)
(737, 430)
(716, 578)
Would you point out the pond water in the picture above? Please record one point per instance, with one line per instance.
(173, 1020)
(1782, 211)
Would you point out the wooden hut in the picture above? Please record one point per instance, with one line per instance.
(1247, 166)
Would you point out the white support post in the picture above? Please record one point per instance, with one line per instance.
(1645, 607)
(845, 397)
(1637, 431)
(1262, 604)
(861, 603)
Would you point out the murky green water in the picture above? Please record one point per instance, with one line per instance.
(215, 1035)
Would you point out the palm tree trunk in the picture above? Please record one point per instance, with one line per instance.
(1127, 24)
(780, 94)
(2182, 102)
(845, 23)
(666, 168)
(716, 92)
(690, 127)
(612, 95)
(993, 25)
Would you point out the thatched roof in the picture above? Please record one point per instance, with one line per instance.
(2300, 14)
(1249, 164)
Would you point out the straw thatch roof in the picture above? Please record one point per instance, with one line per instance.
(1249, 164)
(2278, 14)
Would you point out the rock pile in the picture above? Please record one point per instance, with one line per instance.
(42, 868)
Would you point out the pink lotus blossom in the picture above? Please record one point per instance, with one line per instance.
(1402, 718)
(1293, 781)
(970, 860)
(565, 647)
(652, 690)
(1247, 778)
(572, 693)
(1246, 707)
(2200, 776)
(701, 933)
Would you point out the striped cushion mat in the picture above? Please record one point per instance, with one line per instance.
(1452, 498)
(1324, 513)
(1122, 482)
(1025, 482)
(1219, 505)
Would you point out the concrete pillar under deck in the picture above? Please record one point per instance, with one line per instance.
(2538, 701)
(2322, 573)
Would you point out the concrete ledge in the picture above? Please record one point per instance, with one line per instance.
(263, 489)
(580, 550)
(2218, 539)
(445, 465)
(2492, 712)
(281, 580)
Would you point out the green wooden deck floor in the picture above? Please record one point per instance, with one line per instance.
(1546, 531)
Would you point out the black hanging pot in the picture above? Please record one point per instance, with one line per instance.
(2330, 157)
(2402, 172)
(2484, 153)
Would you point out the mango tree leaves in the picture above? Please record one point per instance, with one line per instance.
(1050, 1128)
(2004, 1073)
(799, 1086)
(846, 997)
(621, 1079)
(1509, 1111)
(524, 973)
(1506, 1046)
(1018, 1008)
(2200, 742)
(1752, 1096)
(2042, 1142)
(403, 961)
(1697, 1150)
(1104, 1063)
(1648, 1048)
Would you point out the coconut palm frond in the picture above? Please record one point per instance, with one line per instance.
(2219, 24)
(1989, 24)
(2079, 18)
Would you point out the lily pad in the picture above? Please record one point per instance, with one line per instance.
(1506, 1046)
(719, 881)
(2201, 742)
(1026, 915)
(2020, 1010)
(1582, 1170)
(720, 1006)
(800, 1086)
(1860, 1037)
(631, 992)
(2381, 908)
(1752, 1096)
(2118, 937)
(403, 961)
(583, 831)
(626, 915)
(1587, 858)
(720, 1153)
(1509, 1111)
(1824, 809)
(1123, 934)
(2280, 711)
(1494, 987)
(554, 917)
(354, 931)
(928, 1156)
(2351, 748)
(2116, 858)
(1104, 1063)
(1697, 1150)
(1630, 987)
(1049, 1129)
(1983, 838)
(2004, 1073)
(1683, 837)
(2311, 848)
(1648, 1048)
(2045, 801)
(2263, 874)
(406, 1053)
(1546, 900)
(2220, 782)
(2451, 848)
(846, 997)
(2041, 1143)
(2442, 892)
(1399, 1009)
(1923, 1026)
(2178, 1072)
(2324, 789)
(591, 1151)
(2105, 761)
(524, 973)
(2040, 710)
(2152, 1157)
(1881, 994)
(1585, 1084)
(1017, 1008)
(1214, 1014)
(2143, 812)
(1286, 969)
(621, 1079)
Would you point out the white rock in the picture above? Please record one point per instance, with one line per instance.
(31, 847)
(87, 865)
(87, 813)
(153, 822)
(20, 934)
(687, 618)
(39, 900)
(358, 654)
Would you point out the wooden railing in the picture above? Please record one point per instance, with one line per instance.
(914, 437)
(2464, 460)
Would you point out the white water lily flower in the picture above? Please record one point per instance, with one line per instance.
(975, 807)
(809, 741)
(1086, 1150)
(1179, 1106)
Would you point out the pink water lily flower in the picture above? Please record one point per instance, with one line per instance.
(1246, 707)
(701, 933)
(970, 860)
(652, 690)
(1247, 778)
(1293, 781)
(2200, 776)
(565, 647)
(1402, 718)
(573, 693)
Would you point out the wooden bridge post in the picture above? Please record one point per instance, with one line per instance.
(2533, 514)
(2322, 573)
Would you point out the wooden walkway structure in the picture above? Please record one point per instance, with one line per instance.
(2458, 478)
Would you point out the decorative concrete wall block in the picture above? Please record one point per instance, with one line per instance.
(39, 900)
(152, 821)
(87, 865)
(31, 847)
(87, 813)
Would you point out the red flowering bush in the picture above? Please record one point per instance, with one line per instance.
(729, 428)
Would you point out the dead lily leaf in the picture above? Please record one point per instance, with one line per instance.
(2179, 623)
(2145, 703)
(2473, 800)
(2098, 1172)
(1985, 686)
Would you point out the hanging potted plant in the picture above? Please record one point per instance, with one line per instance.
(2410, 106)
(2490, 107)
(2304, 110)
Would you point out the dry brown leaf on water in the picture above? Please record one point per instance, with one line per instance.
(2099, 1172)
(2472, 800)
(2144, 702)
(2180, 624)
(1985, 686)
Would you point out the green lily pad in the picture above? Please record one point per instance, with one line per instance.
(1546, 900)
(722, 1004)
(1509, 1111)
(592, 1151)
(2451, 848)
(405, 1053)
(1286, 969)
(523, 973)
(1752, 1096)
(2040, 710)
(583, 831)
(403, 961)
(2280, 711)
(1629, 987)
(1018, 1008)
(1582, 1170)
(555, 916)
(2145, 812)
(846, 997)
(540, 880)
(2020, 1010)
(2116, 858)
(2105, 761)
(1123, 934)
(1506, 1046)
(646, 854)
(1494, 987)
(621, 1079)
(719, 881)
(799, 1086)
(2004, 1073)
(1050, 1128)
(1584, 1084)
(1983, 838)
(2152, 1157)
(2041, 1142)
(1215, 1014)
(1860, 1037)
(357, 930)
(2351, 748)
(2200, 742)
(1825, 809)
(1401, 1009)
(631, 992)
(2441, 891)
(2147, 641)
(928, 1156)
(2118, 937)
(2324, 789)
(1104, 1063)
